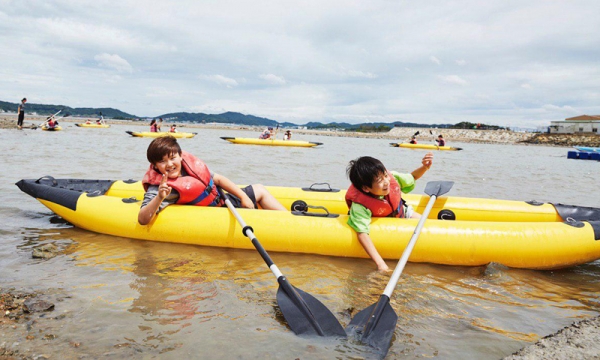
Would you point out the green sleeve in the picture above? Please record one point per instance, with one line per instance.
(360, 218)
(406, 181)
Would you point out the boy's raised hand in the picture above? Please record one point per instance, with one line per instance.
(163, 189)
(427, 160)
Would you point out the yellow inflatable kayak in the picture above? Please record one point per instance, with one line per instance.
(179, 135)
(271, 142)
(56, 128)
(473, 231)
(93, 125)
(424, 146)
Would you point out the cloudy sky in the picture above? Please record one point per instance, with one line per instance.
(505, 62)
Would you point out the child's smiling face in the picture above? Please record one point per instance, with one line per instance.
(170, 165)
(380, 186)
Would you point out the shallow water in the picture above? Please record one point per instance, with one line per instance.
(119, 297)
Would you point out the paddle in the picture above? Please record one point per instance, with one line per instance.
(376, 324)
(304, 313)
(434, 140)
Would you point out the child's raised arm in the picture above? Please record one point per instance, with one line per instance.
(147, 212)
(426, 165)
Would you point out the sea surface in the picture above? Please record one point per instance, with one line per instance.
(116, 297)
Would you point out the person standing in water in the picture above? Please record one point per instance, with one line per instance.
(21, 114)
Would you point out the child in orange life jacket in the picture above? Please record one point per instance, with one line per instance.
(177, 177)
(377, 192)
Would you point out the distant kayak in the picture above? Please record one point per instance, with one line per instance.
(271, 142)
(587, 149)
(56, 128)
(179, 135)
(424, 146)
(93, 125)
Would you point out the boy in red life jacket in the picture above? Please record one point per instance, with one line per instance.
(377, 192)
(177, 177)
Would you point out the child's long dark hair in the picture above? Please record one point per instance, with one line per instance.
(364, 170)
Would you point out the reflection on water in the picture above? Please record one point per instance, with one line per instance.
(119, 297)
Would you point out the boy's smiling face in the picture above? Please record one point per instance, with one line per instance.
(170, 165)
(380, 186)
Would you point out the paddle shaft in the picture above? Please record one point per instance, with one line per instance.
(50, 117)
(247, 230)
(282, 280)
(407, 251)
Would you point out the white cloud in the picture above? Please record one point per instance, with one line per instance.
(221, 80)
(273, 79)
(323, 60)
(113, 61)
(454, 79)
(361, 74)
(561, 109)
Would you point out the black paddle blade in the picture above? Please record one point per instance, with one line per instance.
(374, 326)
(305, 314)
(417, 133)
(438, 188)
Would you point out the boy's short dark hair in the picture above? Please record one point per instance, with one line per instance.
(364, 170)
(161, 146)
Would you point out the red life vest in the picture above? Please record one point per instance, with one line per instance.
(390, 205)
(153, 128)
(197, 188)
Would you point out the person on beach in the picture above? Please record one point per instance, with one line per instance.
(159, 124)
(413, 140)
(177, 177)
(287, 135)
(173, 128)
(153, 126)
(440, 140)
(377, 192)
(21, 114)
(266, 134)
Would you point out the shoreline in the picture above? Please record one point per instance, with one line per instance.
(396, 134)
(580, 340)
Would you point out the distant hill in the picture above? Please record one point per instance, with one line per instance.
(224, 118)
(52, 109)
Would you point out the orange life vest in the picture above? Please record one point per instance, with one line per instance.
(390, 205)
(197, 188)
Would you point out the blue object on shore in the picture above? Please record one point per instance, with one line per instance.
(583, 155)
(572, 155)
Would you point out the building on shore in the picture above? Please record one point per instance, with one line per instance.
(576, 125)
